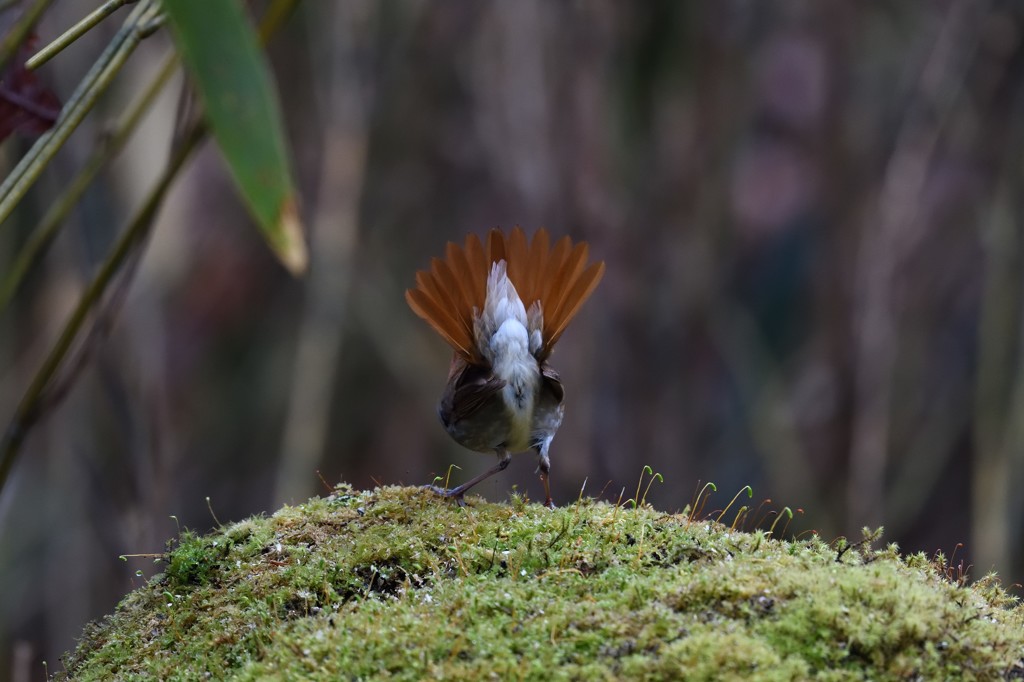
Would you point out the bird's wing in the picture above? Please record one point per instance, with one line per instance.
(469, 387)
(553, 382)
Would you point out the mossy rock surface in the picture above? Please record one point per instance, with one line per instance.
(396, 583)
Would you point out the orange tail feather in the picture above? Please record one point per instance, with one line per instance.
(450, 294)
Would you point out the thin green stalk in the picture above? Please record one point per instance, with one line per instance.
(29, 407)
(75, 32)
(16, 37)
(136, 27)
(58, 211)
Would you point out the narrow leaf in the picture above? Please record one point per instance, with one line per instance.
(221, 50)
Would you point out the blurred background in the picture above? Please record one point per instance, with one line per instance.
(810, 212)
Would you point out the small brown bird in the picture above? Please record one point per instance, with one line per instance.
(502, 306)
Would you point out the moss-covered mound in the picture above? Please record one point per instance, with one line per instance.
(398, 583)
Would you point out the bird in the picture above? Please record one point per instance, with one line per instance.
(502, 304)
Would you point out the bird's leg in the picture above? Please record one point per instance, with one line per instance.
(543, 468)
(456, 493)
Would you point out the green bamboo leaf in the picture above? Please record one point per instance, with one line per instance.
(221, 51)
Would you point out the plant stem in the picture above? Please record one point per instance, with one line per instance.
(28, 409)
(59, 209)
(136, 27)
(75, 32)
(15, 38)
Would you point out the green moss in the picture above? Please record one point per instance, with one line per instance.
(397, 583)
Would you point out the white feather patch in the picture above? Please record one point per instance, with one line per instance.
(501, 331)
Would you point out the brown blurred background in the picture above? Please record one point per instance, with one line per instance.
(811, 215)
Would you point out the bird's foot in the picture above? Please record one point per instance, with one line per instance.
(450, 493)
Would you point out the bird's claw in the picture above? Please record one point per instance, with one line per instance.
(450, 493)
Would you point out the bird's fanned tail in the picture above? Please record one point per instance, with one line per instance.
(453, 291)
